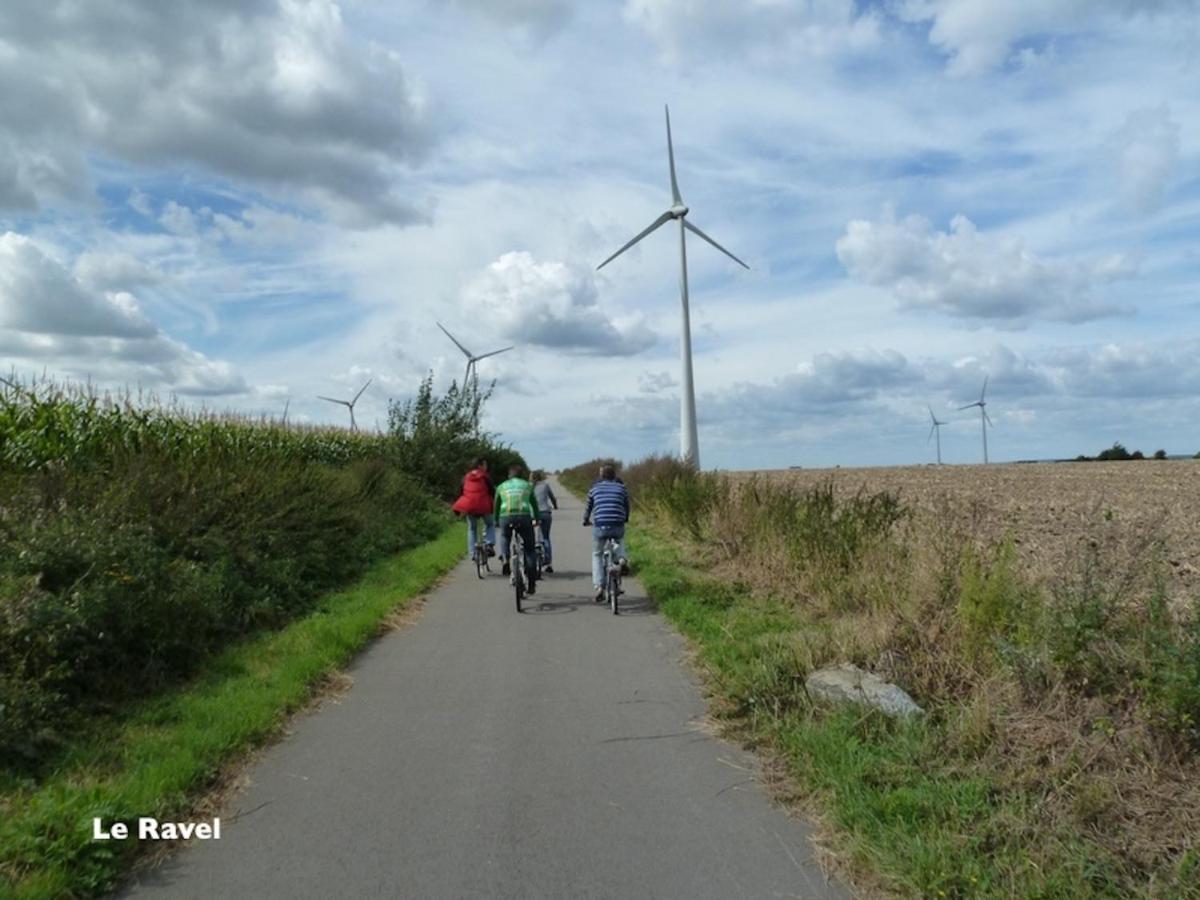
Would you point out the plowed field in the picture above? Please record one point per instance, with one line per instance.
(1051, 510)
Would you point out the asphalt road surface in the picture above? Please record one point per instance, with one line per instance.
(481, 753)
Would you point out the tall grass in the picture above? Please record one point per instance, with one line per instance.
(1075, 698)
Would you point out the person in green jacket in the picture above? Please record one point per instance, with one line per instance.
(517, 508)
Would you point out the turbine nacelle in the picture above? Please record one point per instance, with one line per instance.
(678, 211)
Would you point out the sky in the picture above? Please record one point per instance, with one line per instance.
(244, 204)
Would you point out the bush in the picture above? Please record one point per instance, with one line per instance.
(136, 542)
(1160, 454)
(1115, 452)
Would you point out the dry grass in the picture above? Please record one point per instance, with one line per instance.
(964, 601)
(1050, 509)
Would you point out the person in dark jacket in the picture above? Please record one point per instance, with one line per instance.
(475, 502)
(608, 508)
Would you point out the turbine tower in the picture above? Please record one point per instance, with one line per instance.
(689, 449)
(471, 358)
(936, 427)
(984, 421)
(349, 404)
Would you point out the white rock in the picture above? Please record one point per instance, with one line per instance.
(848, 683)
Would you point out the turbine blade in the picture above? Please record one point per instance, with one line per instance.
(984, 391)
(363, 388)
(930, 438)
(986, 417)
(456, 343)
(330, 399)
(931, 415)
(671, 158)
(692, 228)
(969, 405)
(493, 353)
(661, 220)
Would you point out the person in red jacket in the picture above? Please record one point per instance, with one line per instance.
(475, 502)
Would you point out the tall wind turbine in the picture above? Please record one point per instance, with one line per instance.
(349, 404)
(471, 358)
(936, 427)
(688, 441)
(984, 421)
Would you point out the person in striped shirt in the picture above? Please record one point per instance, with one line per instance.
(607, 511)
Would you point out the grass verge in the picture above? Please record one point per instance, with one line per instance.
(907, 808)
(160, 757)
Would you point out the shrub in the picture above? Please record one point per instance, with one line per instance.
(1115, 452)
(134, 542)
(996, 606)
(1160, 454)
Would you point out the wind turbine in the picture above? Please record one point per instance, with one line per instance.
(471, 358)
(984, 421)
(936, 427)
(688, 440)
(349, 404)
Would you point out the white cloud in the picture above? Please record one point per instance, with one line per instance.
(656, 382)
(531, 19)
(48, 317)
(1146, 148)
(114, 272)
(274, 93)
(763, 30)
(970, 275)
(550, 304)
(40, 297)
(979, 35)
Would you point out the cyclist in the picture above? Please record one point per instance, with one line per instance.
(516, 508)
(608, 507)
(475, 502)
(545, 500)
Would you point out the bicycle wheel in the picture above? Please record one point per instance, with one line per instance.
(480, 560)
(614, 587)
(517, 552)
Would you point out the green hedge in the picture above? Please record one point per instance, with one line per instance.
(136, 542)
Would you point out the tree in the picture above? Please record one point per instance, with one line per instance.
(439, 436)
(1160, 454)
(1116, 452)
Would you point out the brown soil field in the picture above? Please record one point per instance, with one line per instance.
(1051, 510)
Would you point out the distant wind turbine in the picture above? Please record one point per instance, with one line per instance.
(472, 359)
(935, 428)
(349, 404)
(984, 421)
(688, 439)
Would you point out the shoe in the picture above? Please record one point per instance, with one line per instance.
(624, 566)
(599, 597)
(504, 569)
(548, 569)
(491, 551)
(532, 589)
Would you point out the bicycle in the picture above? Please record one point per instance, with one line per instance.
(541, 550)
(481, 560)
(481, 554)
(519, 574)
(611, 566)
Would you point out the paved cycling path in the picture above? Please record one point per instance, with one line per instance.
(559, 753)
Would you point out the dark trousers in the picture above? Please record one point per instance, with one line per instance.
(523, 524)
